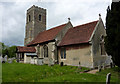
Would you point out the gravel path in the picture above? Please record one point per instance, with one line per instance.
(93, 71)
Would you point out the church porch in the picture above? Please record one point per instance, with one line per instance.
(23, 52)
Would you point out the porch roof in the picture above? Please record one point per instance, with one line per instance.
(22, 49)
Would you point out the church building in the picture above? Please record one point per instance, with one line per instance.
(80, 45)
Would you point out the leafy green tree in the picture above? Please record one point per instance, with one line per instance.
(112, 40)
(3, 49)
(11, 51)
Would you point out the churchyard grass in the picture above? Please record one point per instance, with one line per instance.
(19, 72)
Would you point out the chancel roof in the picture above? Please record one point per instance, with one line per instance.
(79, 34)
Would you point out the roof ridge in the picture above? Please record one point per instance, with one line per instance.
(85, 24)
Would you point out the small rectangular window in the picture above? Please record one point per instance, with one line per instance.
(39, 17)
(29, 18)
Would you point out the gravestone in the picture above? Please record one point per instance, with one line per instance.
(61, 64)
(17, 59)
(99, 68)
(40, 61)
(10, 60)
(13, 58)
(108, 78)
(111, 65)
(5, 58)
(79, 67)
(103, 66)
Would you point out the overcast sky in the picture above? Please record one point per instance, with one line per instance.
(13, 15)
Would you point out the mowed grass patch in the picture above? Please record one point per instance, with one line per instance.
(19, 72)
(86, 77)
(81, 77)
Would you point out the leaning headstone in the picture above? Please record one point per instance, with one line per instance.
(99, 68)
(111, 65)
(108, 78)
(5, 58)
(9, 60)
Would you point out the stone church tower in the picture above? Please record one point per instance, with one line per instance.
(35, 23)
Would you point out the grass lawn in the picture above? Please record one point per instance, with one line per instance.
(19, 72)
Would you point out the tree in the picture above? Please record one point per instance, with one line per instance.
(112, 40)
(3, 49)
(12, 51)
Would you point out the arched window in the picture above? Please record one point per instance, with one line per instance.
(45, 51)
(38, 49)
(63, 53)
(29, 18)
(39, 17)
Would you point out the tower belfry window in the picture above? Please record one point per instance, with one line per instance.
(39, 17)
(29, 18)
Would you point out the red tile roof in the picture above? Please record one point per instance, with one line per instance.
(47, 35)
(26, 49)
(78, 34)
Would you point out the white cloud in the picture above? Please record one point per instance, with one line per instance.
(80, 11)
